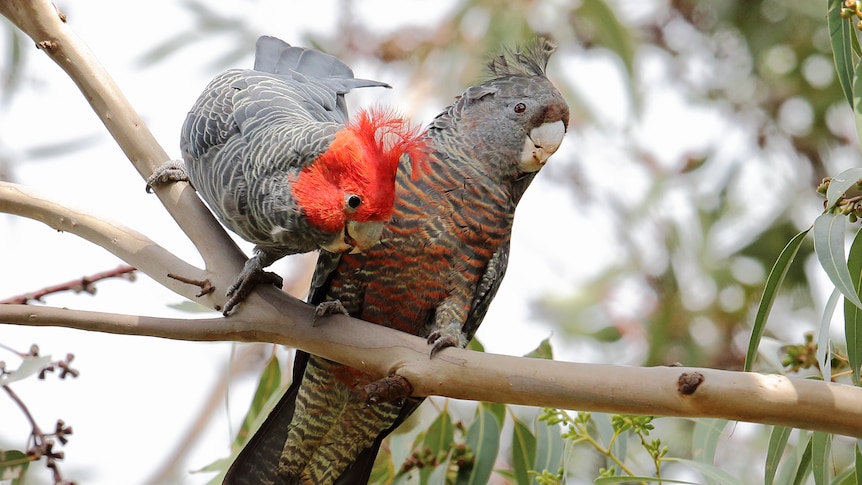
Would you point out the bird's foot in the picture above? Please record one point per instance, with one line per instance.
(252, 274)
(328, 308)
(449, 336)
(389, 389)
(169, 172)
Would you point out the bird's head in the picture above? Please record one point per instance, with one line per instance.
(349, 190)
(516, 120)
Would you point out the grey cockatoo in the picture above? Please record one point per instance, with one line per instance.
(273, 154)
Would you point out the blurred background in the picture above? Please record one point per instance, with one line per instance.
(699, 133)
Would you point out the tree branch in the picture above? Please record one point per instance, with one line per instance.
(271, 316)
(40, 20)
(464, 374)
(127, 244)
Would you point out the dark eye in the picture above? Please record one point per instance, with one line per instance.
(520, 108)
(354, 201)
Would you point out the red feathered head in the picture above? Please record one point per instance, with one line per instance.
(354, 179)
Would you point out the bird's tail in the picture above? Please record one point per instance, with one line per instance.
(257, 463)
(276, 56)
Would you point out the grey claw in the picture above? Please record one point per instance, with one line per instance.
(328, 308)
(447, 337)
(245, 283)
(169, 172)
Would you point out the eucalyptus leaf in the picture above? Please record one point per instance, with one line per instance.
(852, 313)
(821, 444)
(523, 452)
(483, 438)
(829, 238)
(777, 443)
(824, 351)
(770, 292)
(840, 33)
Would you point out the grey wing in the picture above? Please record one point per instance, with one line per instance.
(487, 288)
(278, 57)
(243, 138)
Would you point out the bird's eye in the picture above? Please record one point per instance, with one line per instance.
(354, 201)
(520, 108)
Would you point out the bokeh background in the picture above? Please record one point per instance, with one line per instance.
(699, 133)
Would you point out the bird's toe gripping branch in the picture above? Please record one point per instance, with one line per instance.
(328, 308)
(169, 172)
(252, 274)
(448, 336)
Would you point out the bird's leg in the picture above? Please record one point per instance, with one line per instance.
(169, 172)
(327, 308)
(448, 329)
(449, 335)
(251, 275)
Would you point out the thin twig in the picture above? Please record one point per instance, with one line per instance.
(83, 284)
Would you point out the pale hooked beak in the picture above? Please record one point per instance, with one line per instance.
(356, 237)
(540, 144)
(362, 235)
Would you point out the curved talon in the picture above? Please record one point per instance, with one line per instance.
(169, 172)
(328, 308)
(245, 283)
(448, 337)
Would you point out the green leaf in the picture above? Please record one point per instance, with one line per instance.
(770, 292)
(847, 477)
(474, 344)
(437, 475)
(483, 438)
(794, 458)
(824, 347)
(852, 313)
(858, 461)
(840, 184)
(13, 466)
(543, 351)
(804, 466)
(821, 445)
(709, 471)
(857, 99)
(777, 444)
(549, 447)
(267, 387)
(704, 440)
(841, 33)
(523, 452)
(30, 366)
(438, 438)
(829, 237)
(498, 410)
(440, 435)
